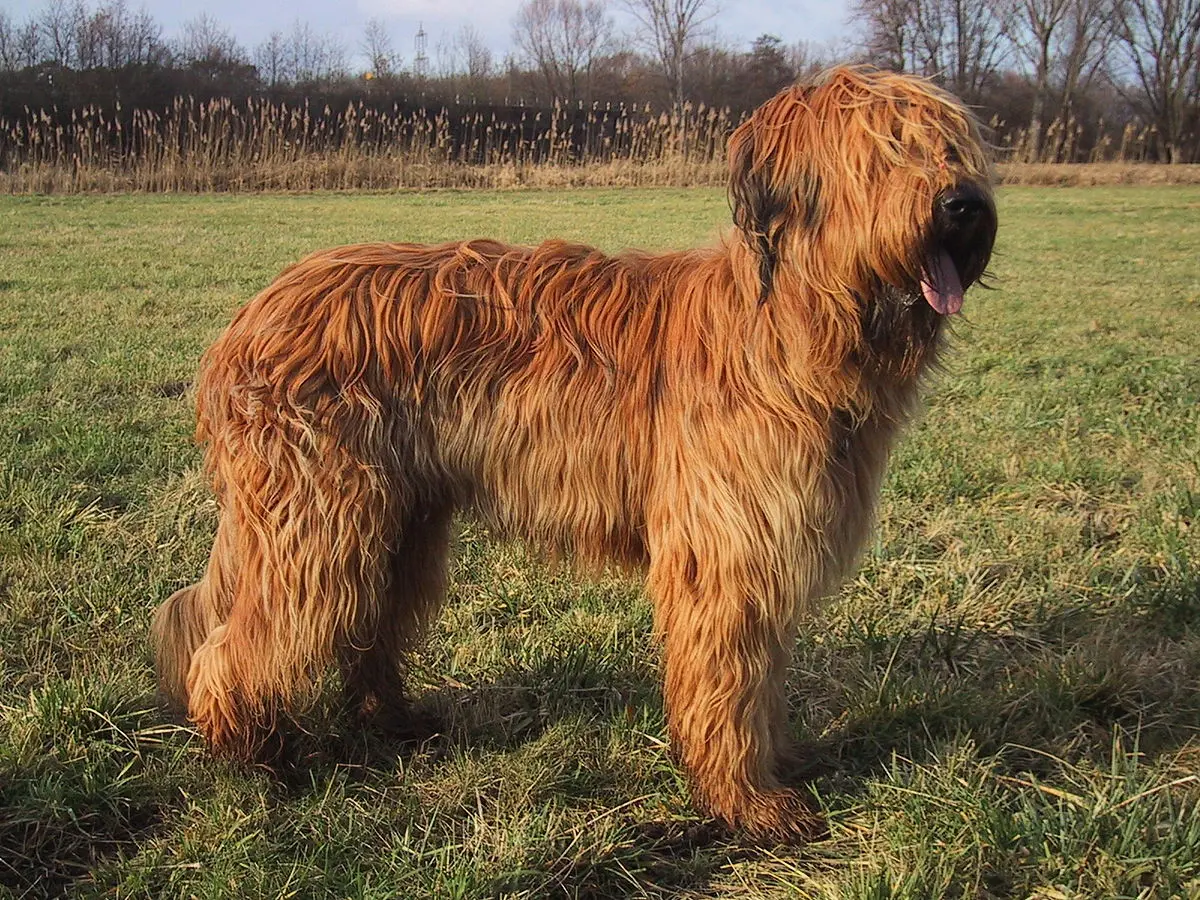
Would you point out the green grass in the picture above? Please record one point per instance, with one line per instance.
(1005, 700)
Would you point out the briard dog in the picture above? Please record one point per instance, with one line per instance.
(721, 417)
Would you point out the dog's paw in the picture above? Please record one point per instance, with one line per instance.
(787, 816)
(776, 817)
(399, 721)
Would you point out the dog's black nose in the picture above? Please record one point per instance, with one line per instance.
(962, 205)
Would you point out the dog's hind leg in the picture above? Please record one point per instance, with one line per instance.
(372, 661)
(185, 619)
(309, 524)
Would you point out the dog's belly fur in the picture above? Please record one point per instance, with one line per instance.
(531, 466)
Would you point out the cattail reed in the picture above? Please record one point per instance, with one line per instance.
(220, 145)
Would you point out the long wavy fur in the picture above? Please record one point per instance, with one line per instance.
(721, 417)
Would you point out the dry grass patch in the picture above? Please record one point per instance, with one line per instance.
(1096, 174)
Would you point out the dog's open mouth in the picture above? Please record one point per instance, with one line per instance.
(940, 282)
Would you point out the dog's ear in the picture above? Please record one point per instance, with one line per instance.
(766, 200)
(757, 205)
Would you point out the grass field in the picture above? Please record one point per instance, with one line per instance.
(1005, 699)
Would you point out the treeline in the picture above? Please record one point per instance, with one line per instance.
(85, 84)
(72, 55)
(1063, 80)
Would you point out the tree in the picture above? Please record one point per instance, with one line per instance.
(143, 42)
(14, 54)
(961, 43)
(59, 28)
(309, 57)
(377, 46)
(671, 28)
(473, 57)
(1035, 27)
(805, 58)
(466, 64)
(889, 27)
(1063, 38)
(69, 34)
(8, 43)
(112, 36)
(562, 39)
(270, 58)
(205, 42)
(1088, 38)
(1160, 40)
(768, 66)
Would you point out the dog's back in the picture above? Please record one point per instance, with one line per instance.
(521, 382)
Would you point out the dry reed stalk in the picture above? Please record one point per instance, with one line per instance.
(260, 145)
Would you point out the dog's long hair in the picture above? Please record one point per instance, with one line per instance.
(720, 416)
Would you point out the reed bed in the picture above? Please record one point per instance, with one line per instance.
(259, 145)
(1070, 140)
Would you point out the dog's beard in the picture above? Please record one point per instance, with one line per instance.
(898, 317)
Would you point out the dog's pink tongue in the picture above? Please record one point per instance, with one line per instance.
(941, 285)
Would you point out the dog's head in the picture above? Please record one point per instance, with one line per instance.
(866, 184)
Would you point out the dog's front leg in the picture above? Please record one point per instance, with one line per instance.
(728, 633)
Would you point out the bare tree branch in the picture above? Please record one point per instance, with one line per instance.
(563, 39)
(377, 47)
(670, 31)
(1160, 41)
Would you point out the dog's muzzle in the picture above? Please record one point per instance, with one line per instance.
(962, 207)
(964, 220)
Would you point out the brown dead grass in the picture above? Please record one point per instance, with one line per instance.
(329, 172)
(1096, 174)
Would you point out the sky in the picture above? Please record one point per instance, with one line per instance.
(251, 21)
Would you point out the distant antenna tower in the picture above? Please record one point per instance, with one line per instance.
(420, 61)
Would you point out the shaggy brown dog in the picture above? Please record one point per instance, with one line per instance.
(720, 416)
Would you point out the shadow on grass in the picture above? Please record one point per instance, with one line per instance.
(79, 788)
(45, 852)
(1054, 689)
(906, 691)
(510, 711)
